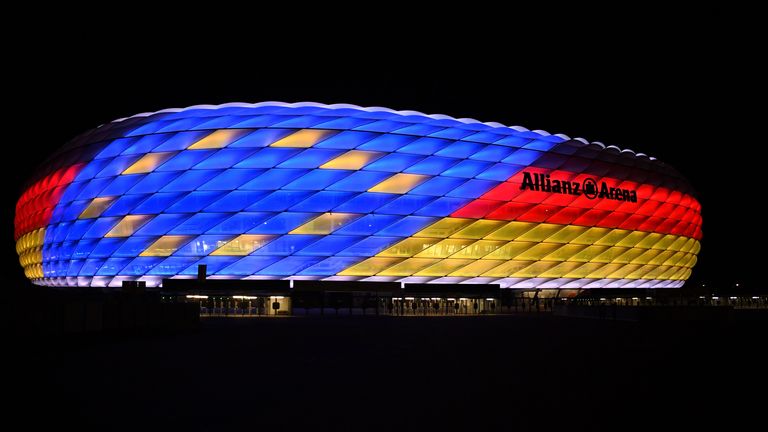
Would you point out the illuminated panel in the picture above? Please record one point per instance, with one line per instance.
(303, 138)
(96, 207)
(128, 225)
(352, 160)
(148, 162)
(326, 223)
(243, 245)
(166, 245)
(220, 138)
(399, 183)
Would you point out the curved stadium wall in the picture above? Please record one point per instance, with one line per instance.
(339, 192)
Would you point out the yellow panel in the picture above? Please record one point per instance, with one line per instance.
(540, 233)
(591, 236)
(304, 138)
(538, 251)
(613, 237)
(589, 253)
(479, 229)
(678, 243)
(352, 160)
(665, 242)
(408, 247)
(661, 257)
(649, 240)
(511, 231)
(691, 261)
(535, 269)
(510, 250)
(623, 271)
(640, 272)
(633, 238)
(675, 258)
(399, 183)
(604, 271)
(444, 227)
(408, 267)
(445, 248)
(610, 255)
(646, 257)
(479, 249)
(628, 256)
(561, 269)
(444, 267)
(668, 273)
(128, 225)
(96, 207)
(696, 247)
(504, 268)
(565, 252)
(584, 270)
(220, 138)
(655, 273)
(148, 162)
(243, 244)
(166, 245)
(370, 267)
(476, 268)
(566, 234)
(325, 223)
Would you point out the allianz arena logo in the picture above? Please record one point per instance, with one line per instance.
(589, 187)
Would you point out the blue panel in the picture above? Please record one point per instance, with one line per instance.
(149, 128)
(311, 158)
(115, 148)
(365, 202)
(185, 160)
(406, 204)
(134, 246)
(74, 267)
(407, 226)
(140, 266)
(282, 223)
(61, 231)
(84, 247)
(323, 201)
(240, 223)
(80, 227)
(394, 162)
(368, 224)
(492, 153)
(162, 223)
(194, 201)
(467, 168)
(153, 182)
(300, 122)
(329, 245)
(121, 184)
(370, 246)
(484, 137)
(432, 165)
(437, 186)
(118, 165)
(213, 264)
(387, 142)
(112, 266)
(460, 149)
(425, 146)
(289, 266)
(73, 190)
(248, 265)
(452, 133)
(261, 138)
(500, 172)
(262, 121)
(420, 129)
(156, 203)
(232, 179)
(146, 144)
(203, 245)
(287, 244)
(90, 267)
(513, 141)
(67, 249)
(346, 138)
(236, 201)
(274, 179)
(523, 157)
(222, 122)
(317, 179)
(279, 200)
(199, 223)
(382, 126)
(443, 206)
(360, 181)
(182, 125)
(473, 188)
(57, 214)
(92, 189)
(172, 265)
(73, 210)
(124, 204)
(190, 180)
(101, 227)
(92, 169)
(181, 141)
(268, 157)
(330, 266)
(106, 247)
(225, 158)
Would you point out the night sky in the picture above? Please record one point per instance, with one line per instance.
(684, 105)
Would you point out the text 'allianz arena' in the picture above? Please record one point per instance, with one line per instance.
(339, 192)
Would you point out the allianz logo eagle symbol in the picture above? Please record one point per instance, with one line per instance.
(589, 187)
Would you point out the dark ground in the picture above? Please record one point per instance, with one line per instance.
(364, 373)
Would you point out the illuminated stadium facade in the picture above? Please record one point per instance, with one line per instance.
(339, 192)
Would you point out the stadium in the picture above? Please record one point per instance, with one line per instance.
(313, 192)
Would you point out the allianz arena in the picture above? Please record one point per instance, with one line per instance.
(340, 192)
